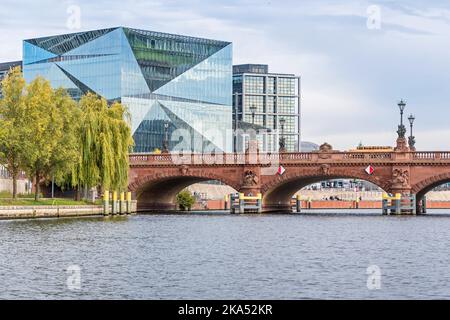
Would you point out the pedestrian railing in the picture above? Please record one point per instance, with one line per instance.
(288, 157)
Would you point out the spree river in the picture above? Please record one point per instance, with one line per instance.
(222, 256)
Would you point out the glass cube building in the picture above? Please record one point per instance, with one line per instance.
(174, 86)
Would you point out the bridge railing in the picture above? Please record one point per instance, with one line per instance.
(367, 156)
(288, 157)
(431, 155)
(264, 158)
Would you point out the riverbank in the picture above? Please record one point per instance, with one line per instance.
(43, 202)
(53, 211)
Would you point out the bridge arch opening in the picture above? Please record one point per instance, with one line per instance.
(160, 194)
(278, 197)
(430, 184)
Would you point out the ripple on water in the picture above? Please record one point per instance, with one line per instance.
(221, 256)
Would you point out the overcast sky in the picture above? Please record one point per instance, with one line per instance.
(356, 59)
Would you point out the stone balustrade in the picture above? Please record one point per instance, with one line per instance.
(288, 157)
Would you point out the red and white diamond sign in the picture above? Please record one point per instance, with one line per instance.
(369, 170)
(281, 170)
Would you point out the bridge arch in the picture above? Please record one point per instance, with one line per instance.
(277, 193)
(158, 191)
(424, 186)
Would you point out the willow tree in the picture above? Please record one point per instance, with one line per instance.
(12, 124)
(104, 143)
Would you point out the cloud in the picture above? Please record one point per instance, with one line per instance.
(352, 76)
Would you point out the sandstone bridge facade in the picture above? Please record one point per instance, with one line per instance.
(155, 179)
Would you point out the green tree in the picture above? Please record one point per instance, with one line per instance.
(104, 144)
(13, 124)
(65, 153)
(185, 200)
(50, 132)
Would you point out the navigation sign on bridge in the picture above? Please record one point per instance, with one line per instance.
(369, 170)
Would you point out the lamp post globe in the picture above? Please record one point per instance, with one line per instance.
(411, 119)
(401, 128)
(401, 106)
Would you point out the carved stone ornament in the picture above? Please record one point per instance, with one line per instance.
(326, 147)
(184, 169)
(325, 169)
(250, 178)
(324, 151)
(400, 177)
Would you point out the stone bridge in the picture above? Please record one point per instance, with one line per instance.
(155, 179)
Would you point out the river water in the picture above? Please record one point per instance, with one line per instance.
(222, 256)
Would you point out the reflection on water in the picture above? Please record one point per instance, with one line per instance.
(220, 256)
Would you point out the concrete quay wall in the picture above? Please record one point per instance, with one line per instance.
(30, 212)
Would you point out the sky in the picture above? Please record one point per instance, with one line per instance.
(356, 59)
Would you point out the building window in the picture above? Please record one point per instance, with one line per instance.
(271, 85)
(271, 104)
(286, 105)
(254, 84)
(286, 86)
(237, 84)
(254, 101)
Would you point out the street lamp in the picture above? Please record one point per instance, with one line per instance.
(282, 140)
(166, 138)
(411, 139)
(253, 111)
(401, 128)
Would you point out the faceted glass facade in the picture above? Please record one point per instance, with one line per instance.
(179, 82)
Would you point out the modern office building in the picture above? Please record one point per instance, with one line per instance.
(266, 100)
(172, 84)
(4, 68)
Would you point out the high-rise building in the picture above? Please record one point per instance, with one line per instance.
(174, 86)
(270, 101)
(4, 69)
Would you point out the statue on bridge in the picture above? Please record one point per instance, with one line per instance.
(250, 178)
(400, 177)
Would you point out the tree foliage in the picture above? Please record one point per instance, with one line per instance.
(12, 122)
(104, 143)
(185, 200)
(47, 134)
(50, 135)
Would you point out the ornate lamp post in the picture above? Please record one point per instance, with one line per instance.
(411, 138)
(401, 140)
(166, 138)
(253, 143)
(282, 142)
(401, 128)
(253, 111)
